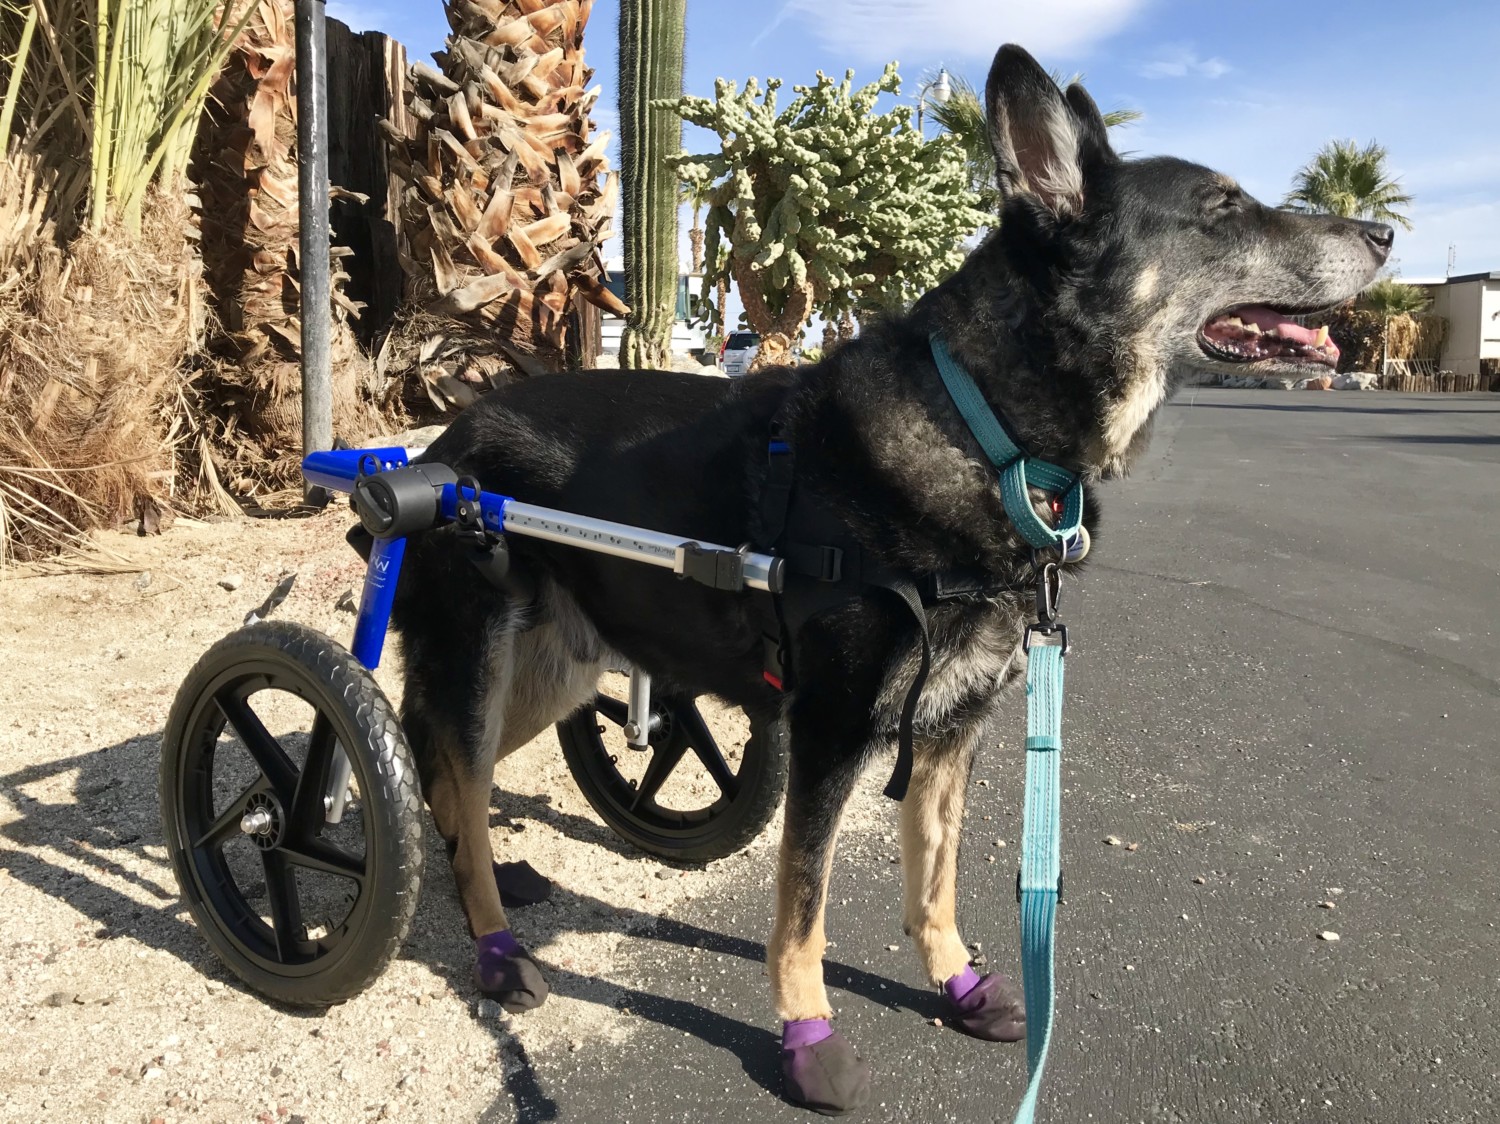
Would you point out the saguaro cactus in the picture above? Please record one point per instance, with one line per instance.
(651, 39)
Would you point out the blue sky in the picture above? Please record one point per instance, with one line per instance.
(1252, 90)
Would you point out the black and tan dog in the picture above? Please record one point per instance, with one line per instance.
(1105, 278)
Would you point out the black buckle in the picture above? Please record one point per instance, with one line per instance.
(1059, 887)
(717, 569)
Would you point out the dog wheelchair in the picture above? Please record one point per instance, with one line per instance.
(290, 800)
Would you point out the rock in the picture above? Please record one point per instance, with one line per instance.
(1325, 905)
(1355, 380)
(1322, 382)
(1277, 384)
(143, 579)
(488, 1009)
(1113, 840)
(231, 582)
(893, 948)
(1199, 880)
(664, 875)
(1132, 846)
(59, 999)
(152, 1073)
(1328, 935)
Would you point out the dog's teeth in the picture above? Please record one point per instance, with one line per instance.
(1233, 322)
(1321, 338)
(1253, 328)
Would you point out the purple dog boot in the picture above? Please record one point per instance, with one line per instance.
(988, 1007)
(822, 1071)
(506, 973)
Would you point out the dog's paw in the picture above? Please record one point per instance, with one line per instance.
(989, 1007)
(506, 973)
(822, 1070)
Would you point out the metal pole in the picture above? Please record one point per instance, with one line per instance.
(313, 241)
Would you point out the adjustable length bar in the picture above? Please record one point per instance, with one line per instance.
(718, 566)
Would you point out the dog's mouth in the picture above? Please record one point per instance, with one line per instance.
(1258, 333)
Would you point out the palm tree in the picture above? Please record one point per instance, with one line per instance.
(508, 196)
(1352, 182)
(695, 195)
(963, 117)
(1389, 298)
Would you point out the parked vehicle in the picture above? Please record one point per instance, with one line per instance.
(738, 352)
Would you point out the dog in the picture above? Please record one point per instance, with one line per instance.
(1103, 281)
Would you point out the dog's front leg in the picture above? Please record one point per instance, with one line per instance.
(989, 1007)
(821, 1069)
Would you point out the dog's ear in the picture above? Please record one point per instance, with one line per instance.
(1044, 141)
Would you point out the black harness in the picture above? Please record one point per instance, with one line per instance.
(825, 567)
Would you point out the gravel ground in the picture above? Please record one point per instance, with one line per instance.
(114, 1009)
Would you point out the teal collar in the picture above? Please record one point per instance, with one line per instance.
(1018, 472)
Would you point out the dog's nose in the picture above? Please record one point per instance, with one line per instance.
(1380, 237)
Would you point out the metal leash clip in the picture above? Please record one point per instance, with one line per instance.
(1048, 599)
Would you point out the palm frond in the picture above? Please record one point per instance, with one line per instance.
(1349, 181)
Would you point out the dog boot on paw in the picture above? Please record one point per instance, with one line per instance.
(989, 1007)
(506, 973)
(822, 1070)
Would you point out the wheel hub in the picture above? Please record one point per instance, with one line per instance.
(263, 821)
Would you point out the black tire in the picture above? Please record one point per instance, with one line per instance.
(365, 872)
(746, 801)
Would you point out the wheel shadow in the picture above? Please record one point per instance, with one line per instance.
(107, 826)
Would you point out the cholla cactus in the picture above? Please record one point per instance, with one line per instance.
(825, 203)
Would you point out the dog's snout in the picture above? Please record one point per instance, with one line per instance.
(1380, 238)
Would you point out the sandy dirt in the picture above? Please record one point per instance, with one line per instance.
(115, 1009)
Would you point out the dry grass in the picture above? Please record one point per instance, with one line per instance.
(95, 409)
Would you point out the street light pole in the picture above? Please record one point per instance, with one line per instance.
(940, 89)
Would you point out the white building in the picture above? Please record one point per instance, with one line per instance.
(1471, 305)
(687, 332)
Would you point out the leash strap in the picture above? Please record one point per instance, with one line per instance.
(1018, 472)
(1039, 882)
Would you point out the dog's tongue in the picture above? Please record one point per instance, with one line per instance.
(1268, 319)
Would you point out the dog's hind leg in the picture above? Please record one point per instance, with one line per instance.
(455, 751)
(820, 1066)
(988, 1007)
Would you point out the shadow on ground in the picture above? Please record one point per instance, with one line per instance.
(112, 831)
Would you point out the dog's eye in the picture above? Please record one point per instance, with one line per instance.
(1230, 201)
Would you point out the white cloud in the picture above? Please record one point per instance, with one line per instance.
(1180, 61)
(881, 30)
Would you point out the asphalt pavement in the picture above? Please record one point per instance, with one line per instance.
(1285, 690)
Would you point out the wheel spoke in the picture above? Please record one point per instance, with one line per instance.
(227, 826)
(307, 805)
(323, 856)
(616, 711)
(691, 726)
(663, 760)
(286, 907)
(265, 749)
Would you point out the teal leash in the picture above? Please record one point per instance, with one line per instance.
(1039, 881)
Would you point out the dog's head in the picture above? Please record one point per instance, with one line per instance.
(1144, 268)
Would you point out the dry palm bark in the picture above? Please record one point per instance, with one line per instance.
(503, 212)
(247, 171)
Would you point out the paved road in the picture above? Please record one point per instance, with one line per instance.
(1285, 684)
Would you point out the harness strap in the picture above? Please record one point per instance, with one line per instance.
(1040, 877)
(901, 774)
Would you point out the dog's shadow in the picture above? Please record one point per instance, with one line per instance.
(110, 830)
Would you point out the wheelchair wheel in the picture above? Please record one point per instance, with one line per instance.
(305, 911)
(684, 798)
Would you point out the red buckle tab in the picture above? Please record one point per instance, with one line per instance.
(771, 679)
